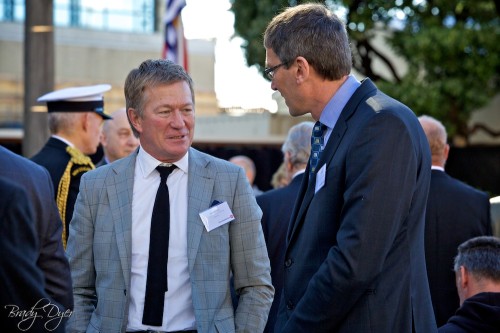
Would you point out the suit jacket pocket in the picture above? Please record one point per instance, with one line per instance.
(225, 325)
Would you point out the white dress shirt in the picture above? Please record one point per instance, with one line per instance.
(178, 312)
(63, 140)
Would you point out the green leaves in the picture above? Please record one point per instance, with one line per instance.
(451, 48)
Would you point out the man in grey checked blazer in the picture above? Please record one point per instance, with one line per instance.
(103, 240)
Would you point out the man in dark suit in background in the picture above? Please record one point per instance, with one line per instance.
(250, 170)
(277, 206)
(21, 279)
(75, 121)
(48, 226)
(455, 213)
(354, 259)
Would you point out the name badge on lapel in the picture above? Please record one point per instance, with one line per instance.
(320, 179)
(217, 215)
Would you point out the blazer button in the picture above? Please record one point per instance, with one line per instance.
(288, 263)
(289, 305)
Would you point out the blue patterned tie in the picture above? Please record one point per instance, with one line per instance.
(317, 141)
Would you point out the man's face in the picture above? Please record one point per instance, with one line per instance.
(94, 126)
(117, 138)
(285, 82)
(167, 125)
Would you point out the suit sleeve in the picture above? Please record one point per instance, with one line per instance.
(81, 259)
(249, 261)
(379, 182)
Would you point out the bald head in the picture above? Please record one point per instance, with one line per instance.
(247, 164)
(436, 136)
(117, 138)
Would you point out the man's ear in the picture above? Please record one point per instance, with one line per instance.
(288, 163)
(103, 139)
(303, 69)
(446, 152)
(463, 277)
(135, 119)
(463, 284)
(85, 120)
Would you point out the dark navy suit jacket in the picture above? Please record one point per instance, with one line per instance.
(355, 258)
(21, 279)
(455, 213)
(51, 259)
(277, 206)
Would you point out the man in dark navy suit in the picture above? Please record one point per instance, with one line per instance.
(48, 226)
(354, 259)
(21, 278)
(75, 120)
(277, 206)
(455, 213)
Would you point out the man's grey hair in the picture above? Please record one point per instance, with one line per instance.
(59, 121)
(481, 256)
(298, 142)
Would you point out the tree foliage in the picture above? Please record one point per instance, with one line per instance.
(450, 49)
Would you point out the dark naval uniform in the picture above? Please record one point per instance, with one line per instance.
(66, 165)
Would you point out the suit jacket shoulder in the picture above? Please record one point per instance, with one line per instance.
(204, 159)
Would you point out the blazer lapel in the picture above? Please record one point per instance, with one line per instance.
(297, 208)
(120, 185)
(201, 180)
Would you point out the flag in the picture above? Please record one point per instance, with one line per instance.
(175, 46)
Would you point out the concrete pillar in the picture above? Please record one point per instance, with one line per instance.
(38, 71)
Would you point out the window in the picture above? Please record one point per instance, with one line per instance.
(123, 15)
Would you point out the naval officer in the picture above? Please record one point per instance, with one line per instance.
(76, 116)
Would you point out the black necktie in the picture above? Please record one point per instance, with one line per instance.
(156, 284)
(317, 143)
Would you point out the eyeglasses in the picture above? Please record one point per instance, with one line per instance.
(269, 72)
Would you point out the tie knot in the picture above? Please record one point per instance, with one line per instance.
(318, 129)
(165, 170)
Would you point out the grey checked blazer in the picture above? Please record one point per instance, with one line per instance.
(99, 249)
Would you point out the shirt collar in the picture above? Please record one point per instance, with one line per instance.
(435, 167)
(298, 173)
(332, 110)
(148, 163)
(60, 138)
